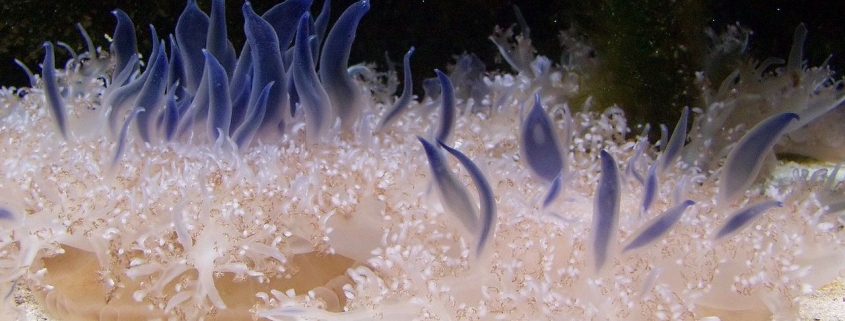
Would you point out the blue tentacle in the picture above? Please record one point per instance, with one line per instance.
(447, 108)
(124, 45)
(658, 227)
(606, 210)
(452, 193)
(344, 94)
(51, 89)
(220, 104)
(485, 196)
(313, 97)
(744, 217)
(191, 34)
(267, 67)
(405, 99)
(218, 43)
(747, 156)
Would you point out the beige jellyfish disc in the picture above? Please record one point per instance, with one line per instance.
(79, 293)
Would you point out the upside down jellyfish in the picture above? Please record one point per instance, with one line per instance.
(275, 181)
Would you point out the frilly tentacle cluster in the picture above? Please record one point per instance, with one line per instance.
(275, 182)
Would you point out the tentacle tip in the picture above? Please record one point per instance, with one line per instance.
(6, 214)
(365, 4)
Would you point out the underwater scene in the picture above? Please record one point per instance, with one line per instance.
(381, 160)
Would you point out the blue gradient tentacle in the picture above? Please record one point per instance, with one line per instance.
(405, 99)
(267, 67)
(51, 89)
(191, 34)
(312, 95)
(344, 94)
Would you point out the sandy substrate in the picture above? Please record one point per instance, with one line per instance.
(826, 304)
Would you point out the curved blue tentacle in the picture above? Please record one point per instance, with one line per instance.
(254, 116)
(151, 96)
(284, 17)
(89, 44)
(631, 168)
(124, 45)
(322, 22)
(171, 118)
(453, 195)
(220, 104)
(747, 156)
(744, 217)
(267, 67)
(485, 197)
(191, 34)
(242, 67)
(313, 97)
(554, 190)
(650, 187)
(658, 226)
(240, 103)
(176, 69)
(447, 108)
(121, 97)
(185, 106)
(606, 210)
(125, 76)
(29, 75)
(672, 149)
(169, 94)
(664, 136)
(313, 41)
(51, 89)
(343, 93)
(405, 99)
(218, 43)
(121, 141)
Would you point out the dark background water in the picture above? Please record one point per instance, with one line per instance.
(649, 49)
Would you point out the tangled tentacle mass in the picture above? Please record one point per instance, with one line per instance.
(278, 182)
